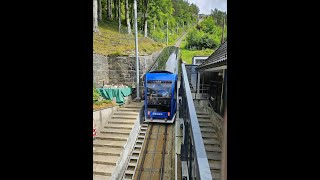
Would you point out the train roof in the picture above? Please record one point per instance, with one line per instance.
(160, 75)
(162, 71)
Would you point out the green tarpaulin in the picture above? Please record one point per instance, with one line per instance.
(118, 93)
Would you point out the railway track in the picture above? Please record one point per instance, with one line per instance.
(135, 154)
(156, 158)
(180, 40)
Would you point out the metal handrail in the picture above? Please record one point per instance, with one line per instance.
(193, 147)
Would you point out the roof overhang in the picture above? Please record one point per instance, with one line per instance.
(214, 66)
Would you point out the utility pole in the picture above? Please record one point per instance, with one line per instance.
(136, 44)
(167, 33)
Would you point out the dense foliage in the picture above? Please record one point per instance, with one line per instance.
(153, 16)
(208, 33)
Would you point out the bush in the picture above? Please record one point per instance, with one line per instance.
(158, 35)
(96, 95)
(200, 40)
(208, 25)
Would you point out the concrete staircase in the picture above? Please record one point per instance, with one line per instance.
(211, 144)
(110, 142)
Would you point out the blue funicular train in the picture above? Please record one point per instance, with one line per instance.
(160, 96)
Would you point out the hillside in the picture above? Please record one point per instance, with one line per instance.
(108, 41)
(187, 55)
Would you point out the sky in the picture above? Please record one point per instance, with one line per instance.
(205, 6)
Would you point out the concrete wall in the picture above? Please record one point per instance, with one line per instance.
(217, 121)
(101, 117)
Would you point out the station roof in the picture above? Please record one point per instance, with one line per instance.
(216, 59)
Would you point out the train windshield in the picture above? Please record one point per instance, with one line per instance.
(159, 95)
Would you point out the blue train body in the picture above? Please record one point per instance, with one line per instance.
(160, 96)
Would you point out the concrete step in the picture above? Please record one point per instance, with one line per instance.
(138, 146)
(101, 177)
(198, 108)
(210, 141)
(203, 116)
(132, 164)
(212, 148)
(204, 120)
(208, 135)
(108, 143)
(144, 125)
(216, 156)
(208, 130)
(205, 124)
(122, 121)
(128, 177)
(126, 113)
(133, 161)
(128, 109)
(129, 172)
(119, 126)
(103, 169)
(124, 116)
(118, 137)
(216, 174)
(107, 160)
(115, 131)
(141, 137)
(133, 105)
(136, 152)
(108, 151)
(215, 165)
(202, 113)
(134, 157)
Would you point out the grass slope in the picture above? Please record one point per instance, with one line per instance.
(186, 55)
(110, 42)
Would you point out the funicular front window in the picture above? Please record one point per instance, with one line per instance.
(159, 95)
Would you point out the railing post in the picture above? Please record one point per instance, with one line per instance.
(190, 158)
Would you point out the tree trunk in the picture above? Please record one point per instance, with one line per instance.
(128, 18)
(109, 14)
(154, 25)
(132, 15)
(145, 21)
(146, 28)
(95, 16)
(115, 9)
(119, 14)
(99, 10)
